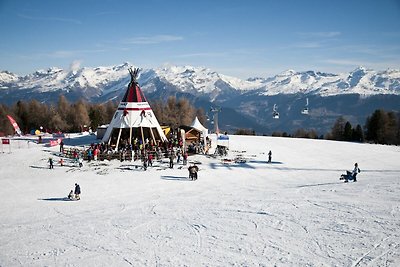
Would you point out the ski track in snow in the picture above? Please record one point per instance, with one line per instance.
(294, 213)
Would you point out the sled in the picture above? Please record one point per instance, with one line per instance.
(348, 177)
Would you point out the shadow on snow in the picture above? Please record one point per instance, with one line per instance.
(56, 199)
(234, 165)
(320, 184)
(175, 178)
(81, 140)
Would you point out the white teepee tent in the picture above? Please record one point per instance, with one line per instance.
(134, 118)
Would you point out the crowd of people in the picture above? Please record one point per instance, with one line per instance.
(146, 152)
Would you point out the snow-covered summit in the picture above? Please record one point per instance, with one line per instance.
(359, 81)
(200, 81)
(7, 77)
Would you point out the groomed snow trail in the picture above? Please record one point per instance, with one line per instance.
(291, 212)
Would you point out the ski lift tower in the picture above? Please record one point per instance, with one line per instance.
(305, 109)
(215, 111)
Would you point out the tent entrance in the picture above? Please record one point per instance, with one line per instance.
(142, 134)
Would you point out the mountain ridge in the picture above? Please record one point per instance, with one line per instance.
(200, 81)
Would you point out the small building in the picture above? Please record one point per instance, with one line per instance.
(101, 130)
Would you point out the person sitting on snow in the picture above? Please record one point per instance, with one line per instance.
(71, 194)
(351, 175)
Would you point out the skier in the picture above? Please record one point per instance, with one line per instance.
(351, 175)
(269, 156)
(77, 191)
(51, 163)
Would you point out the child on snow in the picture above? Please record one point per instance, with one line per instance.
(51, 163)
(71, 195)
(80, 161)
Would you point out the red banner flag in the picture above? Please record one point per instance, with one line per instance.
(5, 141)
(15, 125)
(55, 142)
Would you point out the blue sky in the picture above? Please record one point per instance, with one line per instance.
(238, 38)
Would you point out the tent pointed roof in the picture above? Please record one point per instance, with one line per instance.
(198, 126)
(133, 92)
(135, 114)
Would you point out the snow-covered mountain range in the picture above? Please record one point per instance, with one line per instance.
(247, 103)
(92, 83)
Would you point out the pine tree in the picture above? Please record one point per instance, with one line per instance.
(97, 114)
(348, 132)
(382, 127)
(337, 132)
(22, 118)
(391, 128)
(38, 115)
(358, 134)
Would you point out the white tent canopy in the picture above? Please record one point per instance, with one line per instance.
(198, 126)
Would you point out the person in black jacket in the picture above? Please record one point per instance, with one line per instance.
(51, 163)
(61, 146)
(77, 191)
(193, 172)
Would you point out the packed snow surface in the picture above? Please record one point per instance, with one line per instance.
(292, 212)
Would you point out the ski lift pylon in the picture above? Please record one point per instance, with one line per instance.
(305, 109)
(275, 113)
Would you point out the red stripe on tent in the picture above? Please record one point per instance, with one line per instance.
(134, 108)
(130, 95)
